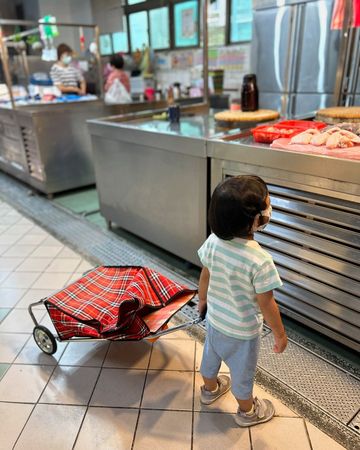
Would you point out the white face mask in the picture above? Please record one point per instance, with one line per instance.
(266, 213)
(66, 59)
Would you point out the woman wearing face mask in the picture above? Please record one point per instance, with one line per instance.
(66, 77)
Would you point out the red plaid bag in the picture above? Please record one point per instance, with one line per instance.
(109, 302)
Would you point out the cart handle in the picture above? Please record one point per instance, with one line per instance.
(176, 328)
(30, 307)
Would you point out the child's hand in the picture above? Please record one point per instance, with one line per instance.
(202, 307)
(280, 343)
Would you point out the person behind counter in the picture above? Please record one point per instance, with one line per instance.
(117, 64)
(64, 76)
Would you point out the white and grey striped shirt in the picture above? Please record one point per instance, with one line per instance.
(239, 270)
(67, 76)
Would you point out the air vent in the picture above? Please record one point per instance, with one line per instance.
(32, 153)
(315, 243)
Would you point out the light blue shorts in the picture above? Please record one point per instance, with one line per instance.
(239, 355)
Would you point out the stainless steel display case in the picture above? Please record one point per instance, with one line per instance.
(48, 145)
(314, 234)
(152, 178)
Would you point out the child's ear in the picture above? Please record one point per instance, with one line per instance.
(256, 222)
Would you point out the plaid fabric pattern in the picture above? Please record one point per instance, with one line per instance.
(109, 302)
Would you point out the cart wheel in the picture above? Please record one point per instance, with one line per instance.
(45, 340)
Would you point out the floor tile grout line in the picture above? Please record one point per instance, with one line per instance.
(250, 438)
(307, 433)
(23, 428)
(35, 405)
(208, 412)
(90, 397)
(141, 398)
(193, 399)
(22, 348)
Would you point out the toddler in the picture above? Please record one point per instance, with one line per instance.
(236, 292)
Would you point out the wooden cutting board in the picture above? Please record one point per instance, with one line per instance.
(261, 115)
(339, 114)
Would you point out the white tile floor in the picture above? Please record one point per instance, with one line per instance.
(103, 395)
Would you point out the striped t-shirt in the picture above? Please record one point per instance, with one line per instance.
(67, 76)
(239, 269)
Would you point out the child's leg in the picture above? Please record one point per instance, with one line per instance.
(246, 405)
(242, 364)
(214, 386)
(210, 365)
(210, 384)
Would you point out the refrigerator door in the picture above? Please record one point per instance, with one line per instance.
(315, 69)
(304, 106)
(272, 37)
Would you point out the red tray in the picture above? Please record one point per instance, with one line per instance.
(303, 124)
(285, 129)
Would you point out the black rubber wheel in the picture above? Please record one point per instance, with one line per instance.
(45, 340)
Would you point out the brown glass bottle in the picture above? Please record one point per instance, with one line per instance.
(249, 93)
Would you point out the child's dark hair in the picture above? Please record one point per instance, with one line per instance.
(117, 61)
(235, 203)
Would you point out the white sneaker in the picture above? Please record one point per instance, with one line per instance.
(208, 397)
(263, 412)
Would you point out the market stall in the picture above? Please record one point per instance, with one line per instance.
(45, 143)
(314, 233)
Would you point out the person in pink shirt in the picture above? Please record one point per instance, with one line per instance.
(117, 63)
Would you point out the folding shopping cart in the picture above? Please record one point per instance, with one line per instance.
(112, 303)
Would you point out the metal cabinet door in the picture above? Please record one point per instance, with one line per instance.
(271, 43)
(319, 49)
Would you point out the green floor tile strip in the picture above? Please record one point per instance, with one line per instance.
(283, 374)
(3, 312)
(3, 369)
(83, 201)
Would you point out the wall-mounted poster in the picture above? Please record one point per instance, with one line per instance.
(186, 24)
(241, 21)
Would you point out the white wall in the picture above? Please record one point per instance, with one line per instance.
(108, 15)
(31, 9)
(7, 9)
(68, 11)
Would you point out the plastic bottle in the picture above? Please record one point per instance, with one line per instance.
(176, 90)
(249, 93)
(170, 96)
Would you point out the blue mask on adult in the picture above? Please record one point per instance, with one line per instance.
(66, 59)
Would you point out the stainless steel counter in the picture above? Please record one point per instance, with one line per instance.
(155, 181)
(48, 145)
(314, 234)
(152, 179)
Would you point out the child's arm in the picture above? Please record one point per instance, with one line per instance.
(203, 288)
(271, 314)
